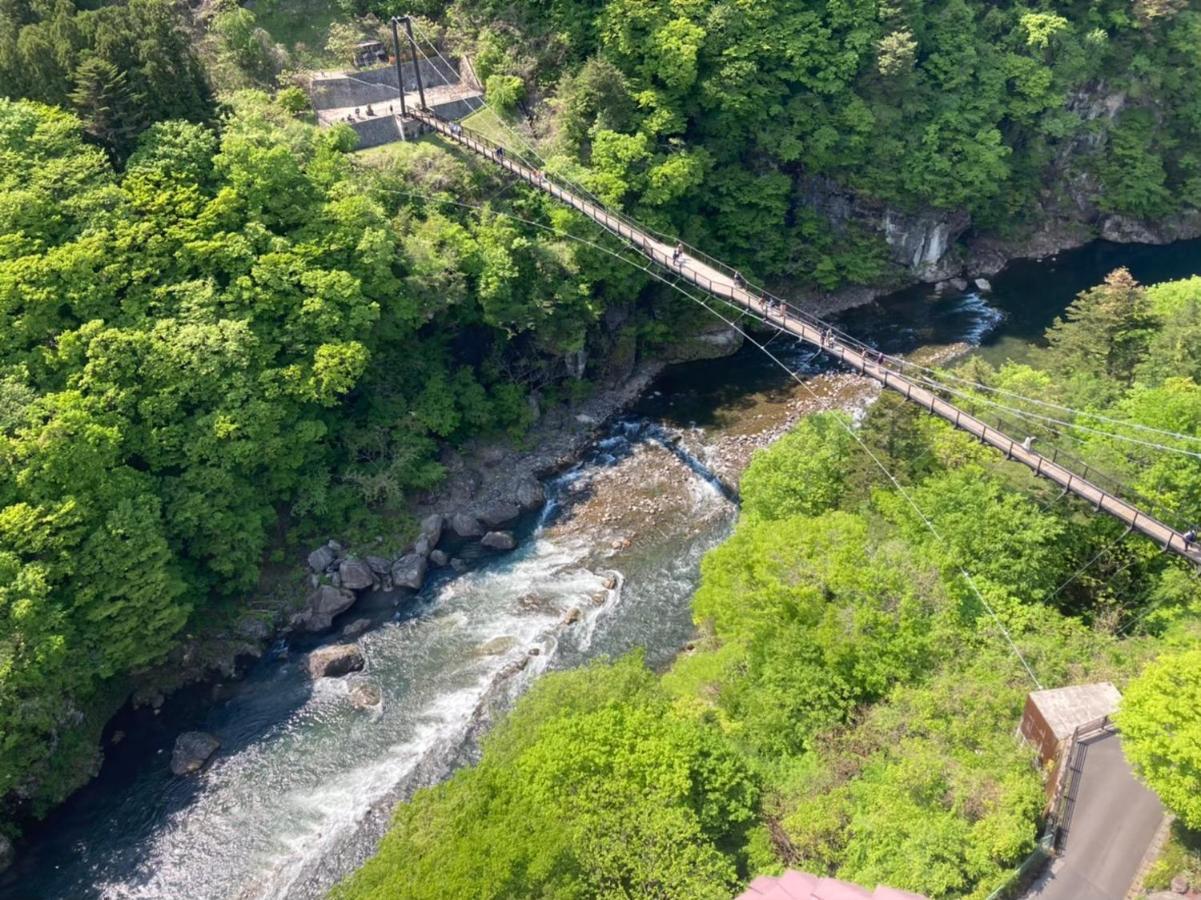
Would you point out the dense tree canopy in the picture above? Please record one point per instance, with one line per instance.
(120, 67)
(238, 324)
(594, 787)
(860, 692)
(732, 122)
(1161, 734)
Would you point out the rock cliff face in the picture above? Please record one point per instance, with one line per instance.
(931, 245)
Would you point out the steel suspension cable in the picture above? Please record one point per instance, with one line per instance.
(652, 270)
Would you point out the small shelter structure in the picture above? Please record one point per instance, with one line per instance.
(369, 53)
(1052, 716)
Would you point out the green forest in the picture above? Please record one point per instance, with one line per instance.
(223, 333)
(851, 703)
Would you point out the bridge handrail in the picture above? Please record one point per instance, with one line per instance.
(1104, 481)
(850, 351)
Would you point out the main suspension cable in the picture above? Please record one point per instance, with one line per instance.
(654, 273)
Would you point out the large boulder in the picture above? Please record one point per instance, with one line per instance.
(322, 558)
(357, 627)
(431, 529)
(192, 750)
(409, 571)
(355, 574)
(499, 540)
(466, 525)
(531, 495)
(499, 513)
(335, 661)
(323, 604)
(379, 565)
(439, 558)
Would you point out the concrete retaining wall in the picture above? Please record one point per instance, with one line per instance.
(456, 109)
(376, 85)
(375, 132)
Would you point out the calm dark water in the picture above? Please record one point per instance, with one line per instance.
(281, 812)
(1004, 322)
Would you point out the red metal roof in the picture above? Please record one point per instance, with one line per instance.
(794, 885)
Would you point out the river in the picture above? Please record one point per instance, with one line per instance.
(302, 785)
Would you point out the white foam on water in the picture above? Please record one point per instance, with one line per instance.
(266, 812)
(985, 318)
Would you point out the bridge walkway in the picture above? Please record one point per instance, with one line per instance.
(721, 284)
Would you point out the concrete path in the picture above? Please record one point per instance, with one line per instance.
(1110, 823)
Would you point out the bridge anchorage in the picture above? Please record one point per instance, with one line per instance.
(724, 283)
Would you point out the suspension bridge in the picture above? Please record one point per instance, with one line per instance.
(723, 283)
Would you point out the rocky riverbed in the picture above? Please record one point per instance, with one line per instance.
(308, 768)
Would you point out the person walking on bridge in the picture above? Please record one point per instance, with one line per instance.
(1190, 537)
(739, 281)
(677, 253)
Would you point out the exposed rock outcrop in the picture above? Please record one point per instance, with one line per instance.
(713, 342)
(409, 571)
(922, 242)
(323, 604)
(431, 529)
(499, 513)
(335, 661)
(531, 495)
(379, 565)
(466, 525)
(355, 574)
(192, 750)
(322, 558)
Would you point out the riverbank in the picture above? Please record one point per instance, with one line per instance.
(642, 503)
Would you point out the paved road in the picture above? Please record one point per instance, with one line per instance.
(1112, 821)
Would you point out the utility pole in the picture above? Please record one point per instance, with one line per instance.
(408, 20)
(400, 82)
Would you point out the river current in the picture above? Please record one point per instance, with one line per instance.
(302, 786)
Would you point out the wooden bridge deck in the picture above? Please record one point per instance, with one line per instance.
(722, 285)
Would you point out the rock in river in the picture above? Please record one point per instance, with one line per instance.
(335, 661)
(192, 750)
(355, 574)
(365, 695)
(324, 603)
(431, 528)
(499, 540)
(357, 627)
(466, 525)
(409, 571)
(531, 495)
